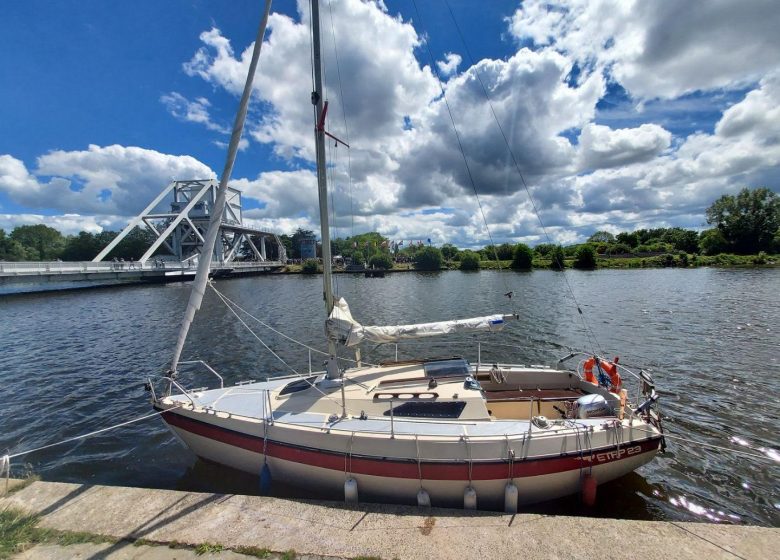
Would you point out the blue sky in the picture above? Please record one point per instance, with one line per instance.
(620, 114)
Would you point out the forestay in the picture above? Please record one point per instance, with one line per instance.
(343, 328)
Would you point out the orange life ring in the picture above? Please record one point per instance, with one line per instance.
(610, 368)
(587, 369)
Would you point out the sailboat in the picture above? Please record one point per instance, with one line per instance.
(430, 431)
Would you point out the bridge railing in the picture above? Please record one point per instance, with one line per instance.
(8, 268)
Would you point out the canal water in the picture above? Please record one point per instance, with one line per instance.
(73, 362)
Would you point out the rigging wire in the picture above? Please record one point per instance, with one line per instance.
(463, 154)
(311, 53)
(343, 105)
(260, 340)
(330, 170)
(230, 302)
(277, 356)
(588, 332)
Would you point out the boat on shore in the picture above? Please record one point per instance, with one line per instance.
(430, 431)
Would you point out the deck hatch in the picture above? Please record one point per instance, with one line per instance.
(417, 409)
(298, 385)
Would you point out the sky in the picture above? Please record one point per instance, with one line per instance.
(616, 114)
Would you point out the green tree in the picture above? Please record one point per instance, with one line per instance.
(630, 239)
(523, 257)
(682, 239)
(505, 251)
(381, 260)
(362, 246)
(11, 250)
(584, 258)
(712, 242)
(469, 260)
(557, 258)
(601, 236)
(132, 247)
(619, 249)
(544, 249)
(428, 258)
(748, 221)
(82, 247)
(449, 251)
(46, 242)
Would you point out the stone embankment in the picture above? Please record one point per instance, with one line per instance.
(143, 523)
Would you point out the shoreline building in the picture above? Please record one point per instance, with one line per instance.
(308, 247)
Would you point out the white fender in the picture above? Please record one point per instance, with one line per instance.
(423, 499)
(470, 498)
(351, 491)
(510, 498)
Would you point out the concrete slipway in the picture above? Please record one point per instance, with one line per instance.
(321, 529)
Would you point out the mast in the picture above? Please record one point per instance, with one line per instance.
(204, 261)
(322, 182)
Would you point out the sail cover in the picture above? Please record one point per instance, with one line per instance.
(340, 326)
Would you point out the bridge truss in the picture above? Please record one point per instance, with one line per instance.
(180, 231)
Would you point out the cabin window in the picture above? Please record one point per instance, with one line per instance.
(299, 385)
(447, 368)
(449, 409)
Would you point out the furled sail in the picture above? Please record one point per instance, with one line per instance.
(343, 328)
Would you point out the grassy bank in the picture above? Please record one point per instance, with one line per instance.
(19, 531)
(660, 261)
(682, 260)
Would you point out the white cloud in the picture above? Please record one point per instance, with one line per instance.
(660, 49)
(405, 161)
(534, 105)
(758, 113)
(601, 146)
(196, 111)
(680, 184)
(243, 144)
(409, 180)
(450, 64)
(385, 81)
(67, 224)
(286, 194)
(102, 179)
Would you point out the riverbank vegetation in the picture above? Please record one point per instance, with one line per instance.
(745, 231)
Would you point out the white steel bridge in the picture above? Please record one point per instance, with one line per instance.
(174, 254)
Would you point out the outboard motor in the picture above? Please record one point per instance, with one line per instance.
(592, 406)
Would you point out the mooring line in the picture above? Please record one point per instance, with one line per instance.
(100, 431)
(713, 446)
